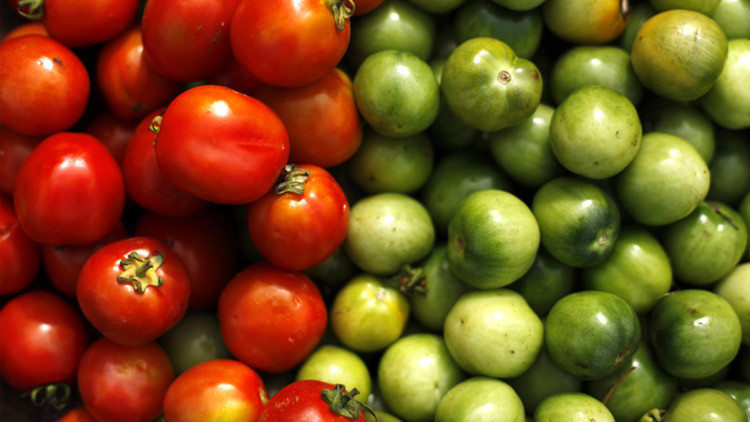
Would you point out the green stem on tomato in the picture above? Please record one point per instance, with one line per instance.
(141, 272)
(409, 280)
(342, 10)
(292, 180)
(57, 395)
(36, 9)
(342, 403)
(654, 415)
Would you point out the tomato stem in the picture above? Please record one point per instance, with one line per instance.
(292, 180)
(342, 403)
(654, 415)
(56, 394)
(715, 208)
(619, 379)
(342, 10)
(409, 280)
(36, 9)
(141, 272)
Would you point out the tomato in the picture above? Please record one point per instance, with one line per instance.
(69, 191)
(308, 39)
(234, 76)
(303, 221)
(77, 414)
(366, 6)
(321, 118)
(14, 148)
(29, 28)
(43, 339)
(221, 145)
(124, 383)
(144, 181)
(63, 263)
(114, 132)
(19, 255)
(133, 290)
(206, 244)
(130, 86)
(270, 318)
(310, 401)
(218, 389)
(187, 40)
(44, 86)
(78, 23)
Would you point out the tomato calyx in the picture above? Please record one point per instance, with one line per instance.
(292, 180)
(342, 10)
(141, 272)
(36, 9)
(56, 394)
(409, 280)
(654, 415)
(342, 403)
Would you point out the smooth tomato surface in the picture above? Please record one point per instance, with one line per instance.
(14, 148)
(302, 401)
(78, 23)
(19, 255)
(114, 132)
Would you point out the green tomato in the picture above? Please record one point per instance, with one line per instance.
(543, 379)
(546, 282)
(437, 6)
(728, 100)
(195, 339)
(335, 270)
(488, 87)
(590, 334)
(733, 16)
(519, 4)
(730, 169)
(684, 120)
(572, 407)
(665, 182)
(694, 333)
(386, 231)
(414, 373)
(336, 365)
(638, 16)
(735, 288)
(396, 93)
(481, 399)
(705, 405)
(493, 333)
(448, 132)
(744, 210)
(493, 239)
(740, 391)
(702, 6)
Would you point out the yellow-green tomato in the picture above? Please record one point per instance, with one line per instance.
(337, 365)
(735, 288)
(572, 407)
(481, 399)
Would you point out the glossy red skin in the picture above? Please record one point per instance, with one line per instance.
(44, 338)
(69, 191)
(187, 40)
(79, 23)
(124, 383)
(44, 86)
(77, 414)
(270, 318)
(366, 6)
(114, 132)
(321, 119)
(301, 401)
(30, 28)
(19, 255)
(63, 263)
(130, 86)
(221, 145)
(206, 244)
(233, 75)
(305, 43)
(144, 181)
(14, 148)
(116, 309)
(215, 389)
(297, 232)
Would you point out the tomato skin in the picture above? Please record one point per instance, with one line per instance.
(79, 23)
(116, 309)
(187, 40)
(14, 148)
(114, 132)
(144, 181)
(69, 191)
(270, 318)
(306, 44)
(297, 232)
(214, 389)
(124, 383)
(130, 86)
(29, 28)
(19, 255)
(321, 119)
(44, 86)
(221, 145)
(234, 76)
(301, 401)
(43, 340)
(366, 6)
(77, 414)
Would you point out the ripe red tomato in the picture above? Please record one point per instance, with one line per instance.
(77, 414)
(14, 148)
(79, 23)
(124, 383)
(133, 290)
(35, 28)
(44, 86)
(143, 178)
(221, 145)
(19, 255)
(271, 319)
(308, 39)
(366, 6)
(215, 390)
(234, 76)
(321, 119)
(187, 40)
(303, 221)
(310, 401)
(206, 244)
(43, 339)
(114, 132)
(130, 86)
(69, 191)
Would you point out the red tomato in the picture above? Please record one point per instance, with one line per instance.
(44, 86)
(124, 383)
(43, 339)
(310, 401)
(78, 23)
(30, 28)
(133, 290)
(114, 132)
(144, 181)
(129, 85)
(205, 243)
(307, 40)
(14, 148)
(321, 119)
(69, 191)
(219, 389)
(366, 6)
(234, 76)
(77, 414)
(303, 221)
(221, 145)
(187, 40)
(63, 263)
(271, 319)
(19, 255)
